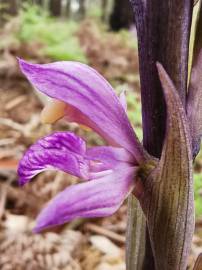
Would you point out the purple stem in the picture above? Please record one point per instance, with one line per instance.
(163, 29)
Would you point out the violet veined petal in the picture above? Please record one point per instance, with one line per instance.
(73, 114)
(60, 150)
(103, 159)
(87, 91)
(96, 198)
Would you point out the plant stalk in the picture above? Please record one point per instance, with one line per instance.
(163, 30)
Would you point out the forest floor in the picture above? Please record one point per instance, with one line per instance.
(87, 244)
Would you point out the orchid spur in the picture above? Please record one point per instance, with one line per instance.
(109, 172)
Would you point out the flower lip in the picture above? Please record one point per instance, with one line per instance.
(62, 150)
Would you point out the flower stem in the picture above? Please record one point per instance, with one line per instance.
(138, 248)
(163, 29)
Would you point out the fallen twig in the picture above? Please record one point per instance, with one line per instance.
(99, 230)
(3, 194)
(15, 102)
(7, 141)
(25, 129)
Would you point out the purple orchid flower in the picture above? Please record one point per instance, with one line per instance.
(110, 171)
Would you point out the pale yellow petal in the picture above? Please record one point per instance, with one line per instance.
(53, 111)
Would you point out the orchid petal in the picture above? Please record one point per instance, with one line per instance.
(109, 156)
(62, 150)
(89, 93)
(96, 198)
(103, 159)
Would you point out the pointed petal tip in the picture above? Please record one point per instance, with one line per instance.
(23, 65)
(44, 221)
(22, 61)
(27, 68)
(38, 229)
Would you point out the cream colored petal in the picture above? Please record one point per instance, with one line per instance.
(53, 111)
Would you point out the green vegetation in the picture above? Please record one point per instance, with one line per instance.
(94, 12)
(134, 112)
(56, 36)
(198, 194)
(198, 184)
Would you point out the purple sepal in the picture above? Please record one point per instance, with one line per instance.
(95, 198)
(90, 98)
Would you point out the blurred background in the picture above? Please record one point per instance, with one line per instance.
(102, 34)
